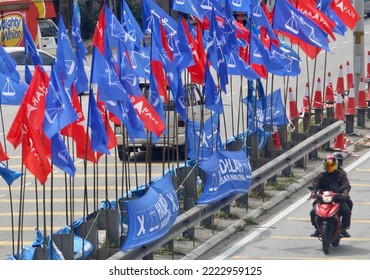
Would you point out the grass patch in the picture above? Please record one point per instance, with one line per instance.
(168, 250)
(250, 220)
(363, 145)
(226, 215)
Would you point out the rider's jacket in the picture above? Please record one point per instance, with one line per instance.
(336, 181)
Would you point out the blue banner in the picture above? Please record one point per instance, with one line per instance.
(152, 215)
(227, 173)
(203, 141)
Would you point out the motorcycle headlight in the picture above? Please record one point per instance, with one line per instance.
(327, 198)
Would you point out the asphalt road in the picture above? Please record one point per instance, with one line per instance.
(286, 236)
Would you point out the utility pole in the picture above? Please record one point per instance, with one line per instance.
(358, 47)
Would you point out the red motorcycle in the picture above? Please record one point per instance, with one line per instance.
(328, 220)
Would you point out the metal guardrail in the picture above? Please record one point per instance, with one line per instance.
(198, 213)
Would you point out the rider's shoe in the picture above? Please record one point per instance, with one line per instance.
(345, 233)
(316, 233)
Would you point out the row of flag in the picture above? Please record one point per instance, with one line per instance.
(49, 105)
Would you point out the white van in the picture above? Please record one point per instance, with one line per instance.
(367, 8)
(48, 32)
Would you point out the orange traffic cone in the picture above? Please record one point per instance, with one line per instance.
(361, 99)
(350, 106)
(292, 105)
(317, 100)
(329, 94)
(368, 65)
(339, 111)
(349, 75)
(340, 81)
(276, 139)
(306, 100)
(339, 143)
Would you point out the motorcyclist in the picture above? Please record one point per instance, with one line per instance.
(332, 179)
(340, 158)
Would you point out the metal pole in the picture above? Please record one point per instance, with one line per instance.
(358, 47)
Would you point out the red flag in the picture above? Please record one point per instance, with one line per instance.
(308, 8)
(14, 135)
(32, 107)
(346, 12)
(158, 72)
(35, 98)
(3, 155)
(98, 38)
(112, 139)
(34, 156)
(165, 42)
(77, 131)
(199, 56)
(148, 115)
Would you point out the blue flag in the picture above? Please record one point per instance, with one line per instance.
(263, 108)
(127, 76)
(81, 82)
(8, 65)
(60, 156)
(288, 19)
(109, 85)
(30, 47)
(258, 17)
(152, 215)
(212, 94)
(12, 92)
(227, 173)
(76, 33)
(152, 12)
(8, 175)
(114, 31)
(229, 33)
(259, 54)
(159, 53)
(203, 141)
(140, 60)
(65, 58)
(59, 111)
(99, 137)
(130, 24)
(126, 113)
(156, 102)
(215, 52)
(240, 6)
(190, 7)
(236, 65)
(291, 65)
(183, 56)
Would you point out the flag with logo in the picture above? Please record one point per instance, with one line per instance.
(227, 173)
(152, 215)
(294, 23)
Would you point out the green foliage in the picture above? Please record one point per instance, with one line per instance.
(89, 18)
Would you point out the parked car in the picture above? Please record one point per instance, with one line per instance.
(18, 53)
(176, 136)
(367, 8)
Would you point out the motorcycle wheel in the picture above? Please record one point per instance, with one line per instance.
(326, 238)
